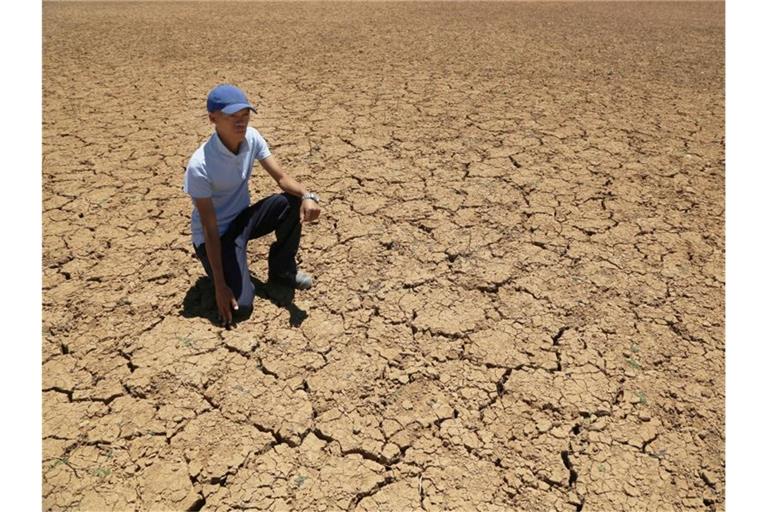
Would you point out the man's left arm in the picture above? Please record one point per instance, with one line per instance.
(310, 209)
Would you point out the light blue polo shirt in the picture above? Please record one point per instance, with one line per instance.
(214, 171)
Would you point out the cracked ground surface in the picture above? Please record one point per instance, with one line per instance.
(519, 297)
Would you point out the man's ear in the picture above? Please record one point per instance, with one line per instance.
(212, 117)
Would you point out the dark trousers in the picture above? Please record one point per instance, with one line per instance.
(278, 213)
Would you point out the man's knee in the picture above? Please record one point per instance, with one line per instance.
(247, 294)
(283, 204)
(294, 203)
(289, 205)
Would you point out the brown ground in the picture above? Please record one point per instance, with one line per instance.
(519, 300)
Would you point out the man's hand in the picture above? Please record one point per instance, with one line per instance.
(226, 302)
(310, 211)
(225, 299)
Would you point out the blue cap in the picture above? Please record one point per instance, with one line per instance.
(227, 98)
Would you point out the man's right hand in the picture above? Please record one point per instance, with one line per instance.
(225, 299)
(226, 302)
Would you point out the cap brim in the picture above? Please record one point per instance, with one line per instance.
(237, 107)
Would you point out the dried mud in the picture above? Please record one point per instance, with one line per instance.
(519, 296)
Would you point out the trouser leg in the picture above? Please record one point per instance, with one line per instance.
(282, 252)
(278, 213)
(234, 260)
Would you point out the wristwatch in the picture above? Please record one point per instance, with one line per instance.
(312, 196)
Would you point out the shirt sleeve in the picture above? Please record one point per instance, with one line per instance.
(260, 147)
(196, 183)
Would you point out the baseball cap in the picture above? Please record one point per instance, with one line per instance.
(227, 98)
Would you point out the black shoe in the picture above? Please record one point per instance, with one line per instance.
(299, 280)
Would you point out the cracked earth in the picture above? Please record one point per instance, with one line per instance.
(519, 268)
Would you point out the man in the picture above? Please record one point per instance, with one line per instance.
(223, 222)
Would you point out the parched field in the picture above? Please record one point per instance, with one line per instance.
(519, 298)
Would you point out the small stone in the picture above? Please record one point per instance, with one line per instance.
(443, 410)
(390, 427)
(644, 415)
(599, 425)
(407, 405)
(631, 490)
(485, 436)
(708, 477)
(691, 502)
(279, 504)
(512, 479)
(390, 450)
(195, 467)
(470, 440)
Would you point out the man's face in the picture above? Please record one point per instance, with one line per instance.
(233, 126)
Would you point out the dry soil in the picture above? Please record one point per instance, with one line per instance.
(519, 268)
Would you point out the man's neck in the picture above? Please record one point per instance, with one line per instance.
(233, 146)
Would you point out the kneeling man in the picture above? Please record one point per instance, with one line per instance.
(223, 220)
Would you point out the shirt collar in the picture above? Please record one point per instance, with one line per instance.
(224, 150)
